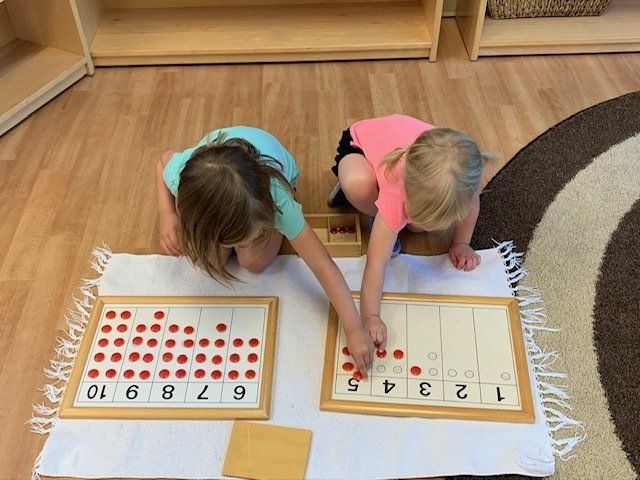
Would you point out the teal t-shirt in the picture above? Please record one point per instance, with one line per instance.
(288, 219)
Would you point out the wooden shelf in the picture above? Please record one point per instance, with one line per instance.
(41, 54)
(31, 75)
(616, 30)
(262, 33)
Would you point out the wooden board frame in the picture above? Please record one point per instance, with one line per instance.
(526, 415)
(67, 410)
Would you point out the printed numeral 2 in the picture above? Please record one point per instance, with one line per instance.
(459, 393)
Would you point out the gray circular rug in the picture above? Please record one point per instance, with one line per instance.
(570, 200)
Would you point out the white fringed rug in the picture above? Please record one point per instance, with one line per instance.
(342, 445)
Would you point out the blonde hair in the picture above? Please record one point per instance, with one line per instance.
(224, 192)
(442, 171)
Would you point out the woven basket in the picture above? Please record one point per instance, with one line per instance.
(545, 8)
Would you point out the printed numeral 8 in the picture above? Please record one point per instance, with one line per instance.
(167, 392)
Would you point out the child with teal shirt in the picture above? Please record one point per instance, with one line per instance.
(233, 192)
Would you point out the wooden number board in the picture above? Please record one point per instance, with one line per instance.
(175, 358)
(449, 357)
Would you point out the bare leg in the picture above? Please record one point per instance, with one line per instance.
(358, 182)
(258, 257)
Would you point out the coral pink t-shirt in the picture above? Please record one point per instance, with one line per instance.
(376, 137)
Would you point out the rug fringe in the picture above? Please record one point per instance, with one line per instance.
(553, 396)
(44, 416)
(36, 466)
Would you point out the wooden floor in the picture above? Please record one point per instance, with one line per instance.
(79, 171)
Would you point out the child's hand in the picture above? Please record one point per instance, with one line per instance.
(361, 349)
(377, 330)
(170, 234)
(463, 257)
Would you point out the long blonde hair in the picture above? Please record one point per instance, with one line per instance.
(224, 192)
(442, 171)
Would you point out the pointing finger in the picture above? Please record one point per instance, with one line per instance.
(361, 365)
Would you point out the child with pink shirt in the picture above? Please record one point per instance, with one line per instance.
(403, 172)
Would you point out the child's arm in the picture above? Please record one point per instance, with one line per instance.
(311, 250)
(461, 254)
(169, 225)
(378, 254)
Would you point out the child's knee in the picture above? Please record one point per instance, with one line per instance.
(358, 184)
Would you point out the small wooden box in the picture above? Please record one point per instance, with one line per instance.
(339, 232)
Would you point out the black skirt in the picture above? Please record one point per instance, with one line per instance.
(345, 148)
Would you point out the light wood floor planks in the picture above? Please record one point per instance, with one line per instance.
(79, 171)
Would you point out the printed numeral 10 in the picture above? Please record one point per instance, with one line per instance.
(93, 390)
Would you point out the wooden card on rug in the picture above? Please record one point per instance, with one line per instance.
(452, 357)
(175, 358)
(262, 452)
